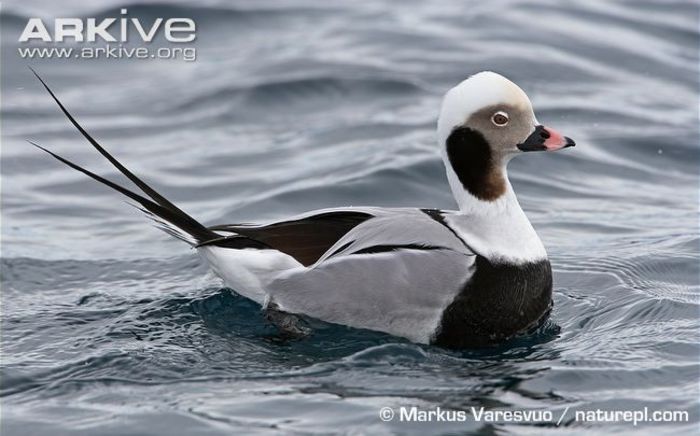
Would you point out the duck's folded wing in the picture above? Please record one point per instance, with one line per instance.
(395, 273)
(305, 238)
(394, 229)
(314, 237)
(403, 292)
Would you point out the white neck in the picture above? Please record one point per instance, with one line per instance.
(498, 229)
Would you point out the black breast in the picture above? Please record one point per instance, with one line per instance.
(498, 301)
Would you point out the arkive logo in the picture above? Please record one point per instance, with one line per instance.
(121, 29)
(121, 37)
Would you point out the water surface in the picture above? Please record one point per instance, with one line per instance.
(110, 327)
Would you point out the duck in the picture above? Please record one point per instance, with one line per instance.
(472, 277)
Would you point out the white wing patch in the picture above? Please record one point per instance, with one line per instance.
(402, 227)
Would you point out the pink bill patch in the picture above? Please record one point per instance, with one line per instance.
(555, 141)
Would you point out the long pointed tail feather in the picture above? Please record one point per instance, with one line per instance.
(131, 176)
(171, 220)
(165, 213)
(167, 216)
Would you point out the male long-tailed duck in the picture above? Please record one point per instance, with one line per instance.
(463, 278)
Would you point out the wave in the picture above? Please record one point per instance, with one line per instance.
(204, 13)
(307, 91)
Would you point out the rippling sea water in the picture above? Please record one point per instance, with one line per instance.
(109, 327)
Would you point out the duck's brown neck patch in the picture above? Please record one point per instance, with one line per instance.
(472, 160)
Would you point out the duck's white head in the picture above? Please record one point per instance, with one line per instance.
(483, 123)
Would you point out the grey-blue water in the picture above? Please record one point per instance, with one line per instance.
(111, 327)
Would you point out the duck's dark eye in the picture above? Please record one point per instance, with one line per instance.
(500, 118)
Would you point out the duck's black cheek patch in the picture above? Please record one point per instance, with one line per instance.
(471, 159)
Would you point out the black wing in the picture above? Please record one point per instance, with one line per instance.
(305, 239)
